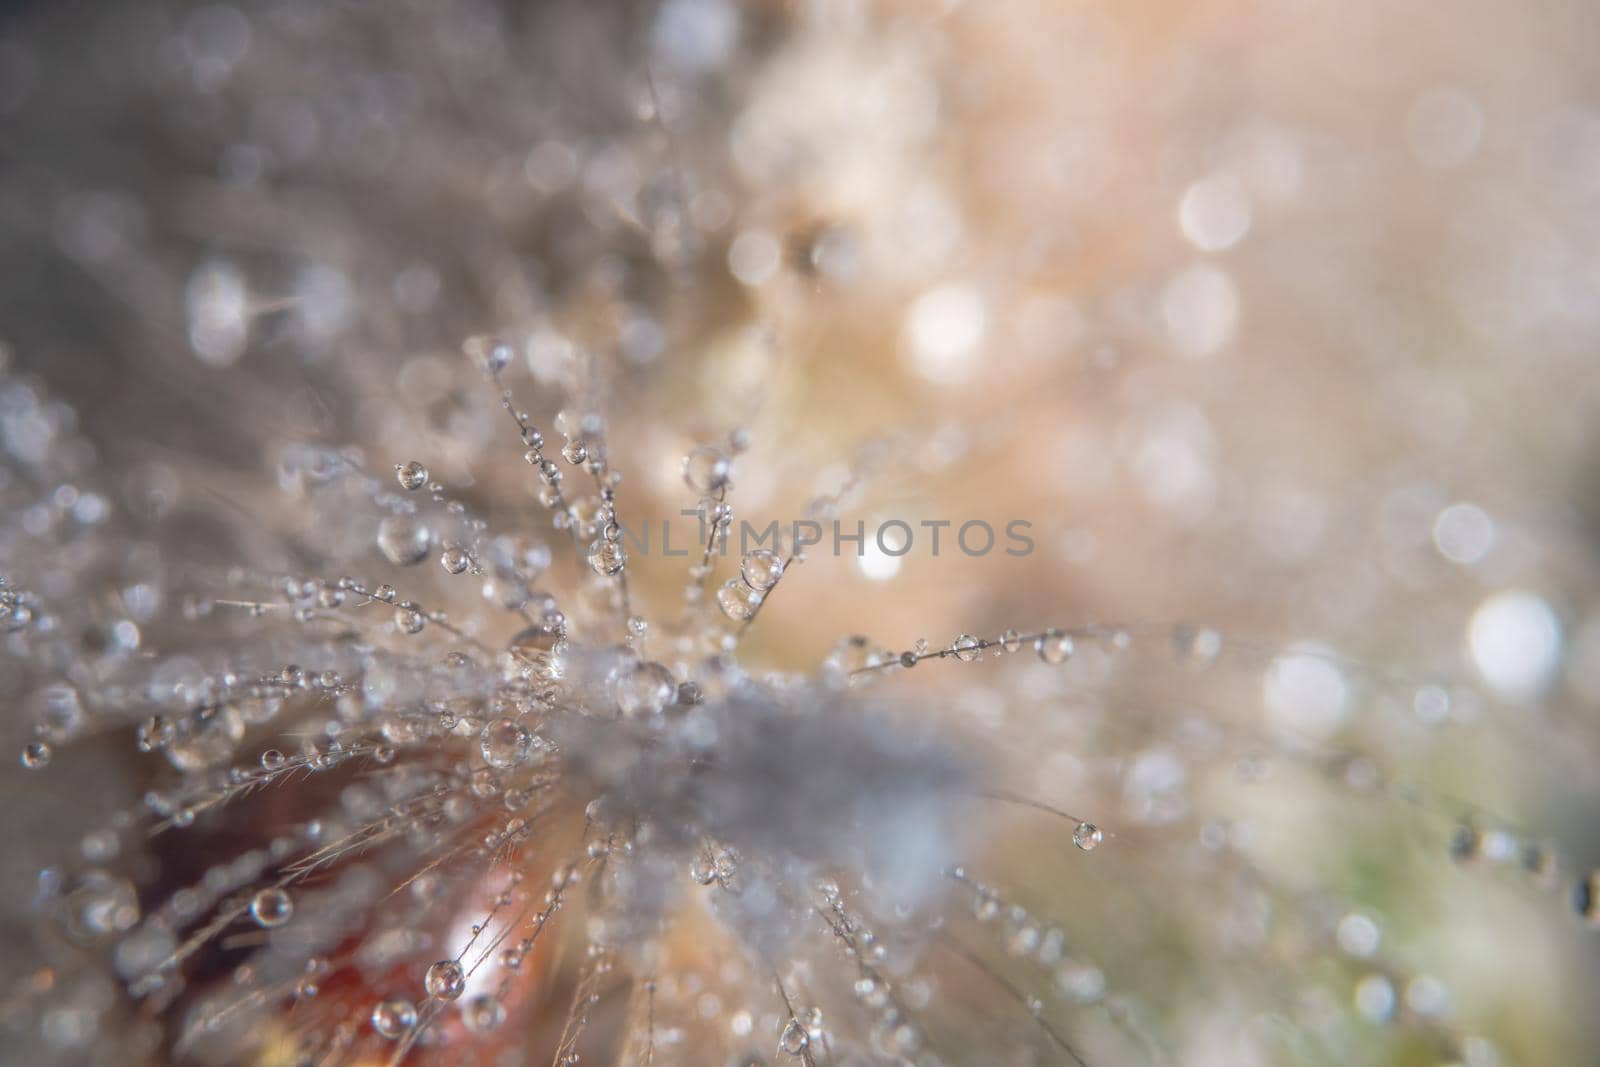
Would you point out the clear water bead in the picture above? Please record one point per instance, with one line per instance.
(737, 600)
(794, 1039)
(271, 907)
(411, 476)
(607, 557)
(207, 738)
(761, 569)
(154, 733)
(408, 620)
(454, 560)
(36, 755)
(967, 648)
(445, 980)
(643, 689)
(1087, 836)
(706, 469)
(504, 743)
(482, 1013)
(1054, 646)
(403, 540)
(392, 1018)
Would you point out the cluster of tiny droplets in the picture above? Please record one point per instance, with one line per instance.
(492, 814)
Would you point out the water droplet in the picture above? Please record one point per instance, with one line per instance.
(271, 759)
(403, 540)
(761, 569)
(1011, 640)
(504, 743)
(1087, 836)
(271, 907)
(409, 620)
(1054, 646)
(737, 600)
(574, 452)
(154, 733)
(411, 476)
(482, 1013)
(100, 907)
(36, 755)
(206, 738)
(794, 1039)
(392, 1018)
(537, 645)
(607, 557)
(706, 469)
(967, 648)
(445, 980)
(58, 712)
(643, 689)
(454, 560)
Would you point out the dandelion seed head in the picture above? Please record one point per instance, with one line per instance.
(362, 711)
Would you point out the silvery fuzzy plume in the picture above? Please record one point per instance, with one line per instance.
(828, 533)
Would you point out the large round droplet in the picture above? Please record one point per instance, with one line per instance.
(504, 743)
(1054, 647)
(100, 907)
(271, 907)
(607, 557)
(58, 712)
(761, 569)
(392, 1018)
(737, 600)
(537, 645)
(643, 689)
(967, 648)
(445, 980)
(411, 476)
(1087, 836)
(794, 1039)
(36, 755)
(403, 540)
(706, 469)
(482, 1013)
(408, 619)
